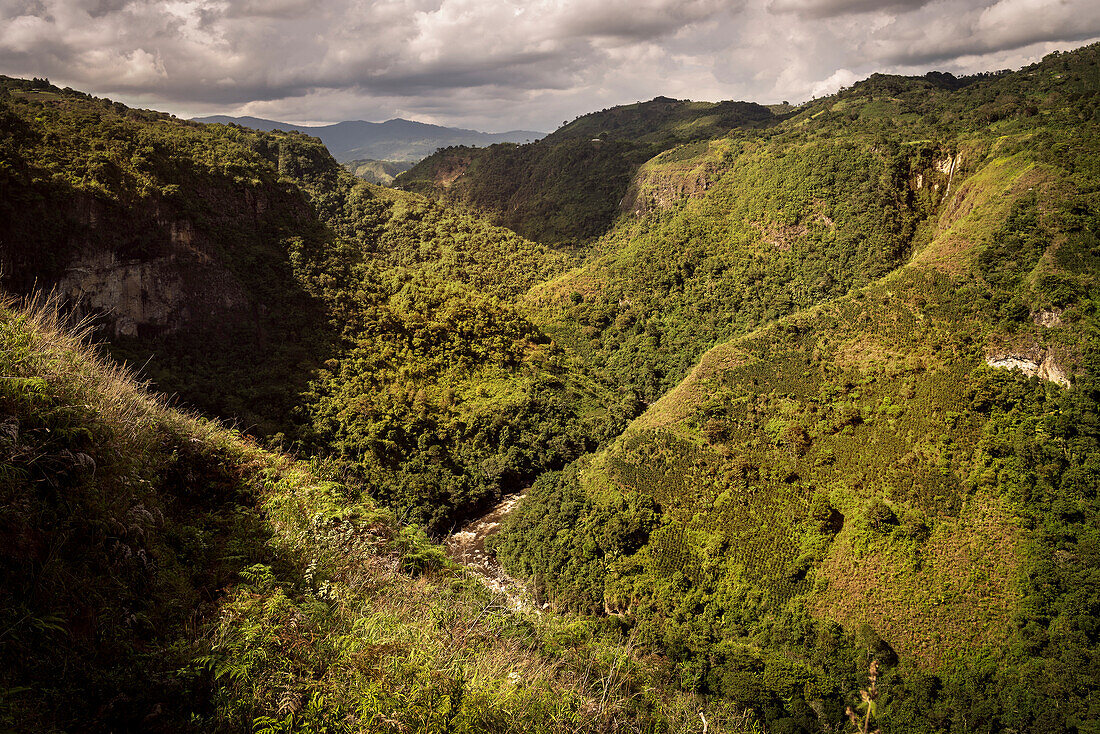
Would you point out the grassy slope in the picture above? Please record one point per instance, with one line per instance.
(774, 226)
(858, 462)
(377, 172)
(730, 234)
(165, 574)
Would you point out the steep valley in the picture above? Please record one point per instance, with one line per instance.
(797, 397)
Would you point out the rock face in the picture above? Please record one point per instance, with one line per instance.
(1049, 319)
(150, 297)
(167, 280)
(153, 266)
(651, 191)
(949, 165)
(940, 175)
(1033, 364)
(664, 187)
(448, 174)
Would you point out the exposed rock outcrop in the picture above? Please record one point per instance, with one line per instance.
(663, 188)
(941, 174)
(1049, 318)
(1033, 363)
(145, 298)
(947, 166)
(153, 266)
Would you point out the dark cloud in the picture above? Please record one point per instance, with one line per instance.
(100, 8)
(470, 62)
(638, 20)
(987, 29)
(288, 9)
(829, 8)
(18, 8)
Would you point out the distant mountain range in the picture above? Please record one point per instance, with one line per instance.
(393, 140)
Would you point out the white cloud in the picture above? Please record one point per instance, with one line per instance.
(1016, 22)
(836, 80)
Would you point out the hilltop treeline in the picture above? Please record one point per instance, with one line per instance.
(566, 188)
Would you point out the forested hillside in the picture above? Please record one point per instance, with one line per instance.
(807, 402)
(764, 228)
(910, 469)
(567, 188)
(164, 574)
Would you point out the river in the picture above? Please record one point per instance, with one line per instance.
(467, 546)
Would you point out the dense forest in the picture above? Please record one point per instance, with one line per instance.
(375, 324)
(806, 400)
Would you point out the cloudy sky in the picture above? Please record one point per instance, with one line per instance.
(502, 64)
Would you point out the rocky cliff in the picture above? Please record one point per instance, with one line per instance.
(174, 237)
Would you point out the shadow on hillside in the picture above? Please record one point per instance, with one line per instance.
(194, 290)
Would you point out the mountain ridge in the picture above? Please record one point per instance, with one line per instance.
(567, 188)
(392, 140)
(864, 460)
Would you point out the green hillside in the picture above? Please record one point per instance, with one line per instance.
(868, 471)
(744, 232)
(567, 188)
(730, 234)
(178, 230)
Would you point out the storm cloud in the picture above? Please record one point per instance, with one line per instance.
(499, 64)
